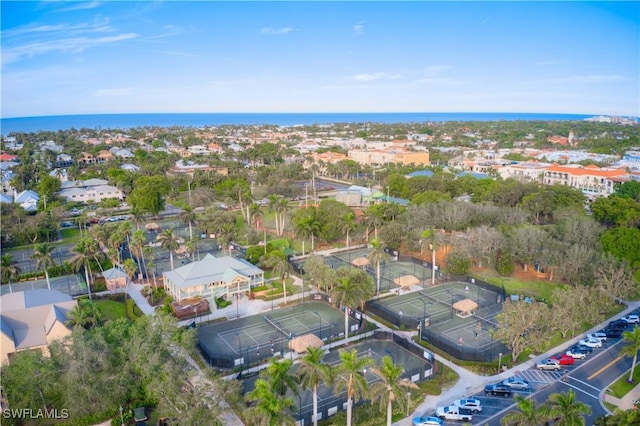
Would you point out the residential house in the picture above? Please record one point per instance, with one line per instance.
(32, 320)
(63, 160)
(379, 156)
(28, 200)
(198, 150)
(115, 278)
(524, 171)
(104, 156)
(60, 174)
(5, 199)
(215, 148)
(592, 180)
(86, 158)
(94, 190)
(213, 277)
(8, 157)
(121, 152)
(130, 167)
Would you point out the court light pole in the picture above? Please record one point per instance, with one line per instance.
(499, 361)
(320, 318)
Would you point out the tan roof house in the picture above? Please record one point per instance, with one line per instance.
(31, 320)
(115, 278)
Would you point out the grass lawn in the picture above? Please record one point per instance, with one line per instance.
(538, 289)
(621, 387)
(111, 310)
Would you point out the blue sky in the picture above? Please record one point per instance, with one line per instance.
(127, 57)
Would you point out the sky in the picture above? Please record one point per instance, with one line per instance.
(64, 57)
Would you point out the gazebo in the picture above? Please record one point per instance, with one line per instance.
(152, 227)
(465, 308)
(360, 262)
(406, 281)
(300, 344)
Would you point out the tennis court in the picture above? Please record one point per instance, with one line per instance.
(328, 402)
(440, 315)
(249, 340)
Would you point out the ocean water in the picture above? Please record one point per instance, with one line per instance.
(126, 121)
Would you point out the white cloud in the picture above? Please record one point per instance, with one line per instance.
(120, 91)
(358, 28)
(179, 53)
(584, 79)
(277, 31)
(82, 5)
(72, 45)
(375, 76)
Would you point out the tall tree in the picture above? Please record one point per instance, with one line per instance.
(280, 266)
(312, 373)
(565, 410)
(348, 225)
(188, 217)
(85, 314)
(522, 325)
(137, 246)
(83, 253)
(631, 340)
(351, 377)
(347, 294)
(391, 388)
(42, 253)
(269, 408)
(377, 255)
(530, 414)
(278, 374)
(168, 241)
(10, 269)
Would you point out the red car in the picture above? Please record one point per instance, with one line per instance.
(564, 359)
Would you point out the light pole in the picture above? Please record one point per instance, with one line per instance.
(408, 401)
(320, 318)
(499, 361)
(449, 291)
(121, 417)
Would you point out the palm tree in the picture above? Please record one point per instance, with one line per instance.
(376, 256)
(313, 372)
(565, 410)
(371, 219)
(530, 414)
(188, 217)
(137, 216)
(10, 269)
(348, 225)
(42, 253)
(351, 376)
(226, 234)
(130, 268)
(255, 213)
(277, 374)
(84, 252)
(137, 244)
(347, 294)
(306, 226)
(391, 388)
(631, 348)
(270, 409)
(280, 266)
(169, 242)
(85, 314)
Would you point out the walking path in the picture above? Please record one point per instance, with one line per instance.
(468, 383)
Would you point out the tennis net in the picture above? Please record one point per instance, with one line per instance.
(277, 327)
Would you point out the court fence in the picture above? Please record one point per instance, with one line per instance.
(432, 326)
(331, 405)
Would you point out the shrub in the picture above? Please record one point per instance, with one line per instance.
(504, 264)
(131, 309)
(457, 263)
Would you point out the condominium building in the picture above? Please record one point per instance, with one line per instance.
(592, 180)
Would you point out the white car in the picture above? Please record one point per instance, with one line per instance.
(598, 335)
(591, 342)
(427, 421)
(631, 319)
(577, 355)
(470, 403)
(517, 383)
(549, 364)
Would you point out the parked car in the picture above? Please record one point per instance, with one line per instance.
(598, 335)
(619, 323)
(577, 353)
(498, 389)
(631, 319)
(452, 412)
(548, 364)
(564, 359)
(613, 333)
(470, 403)
(587, 349)
(591, 342)
(517, 383)
(427, 421)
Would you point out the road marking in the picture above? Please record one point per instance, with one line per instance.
(605, 367)
(583, 391)
(584, 383)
